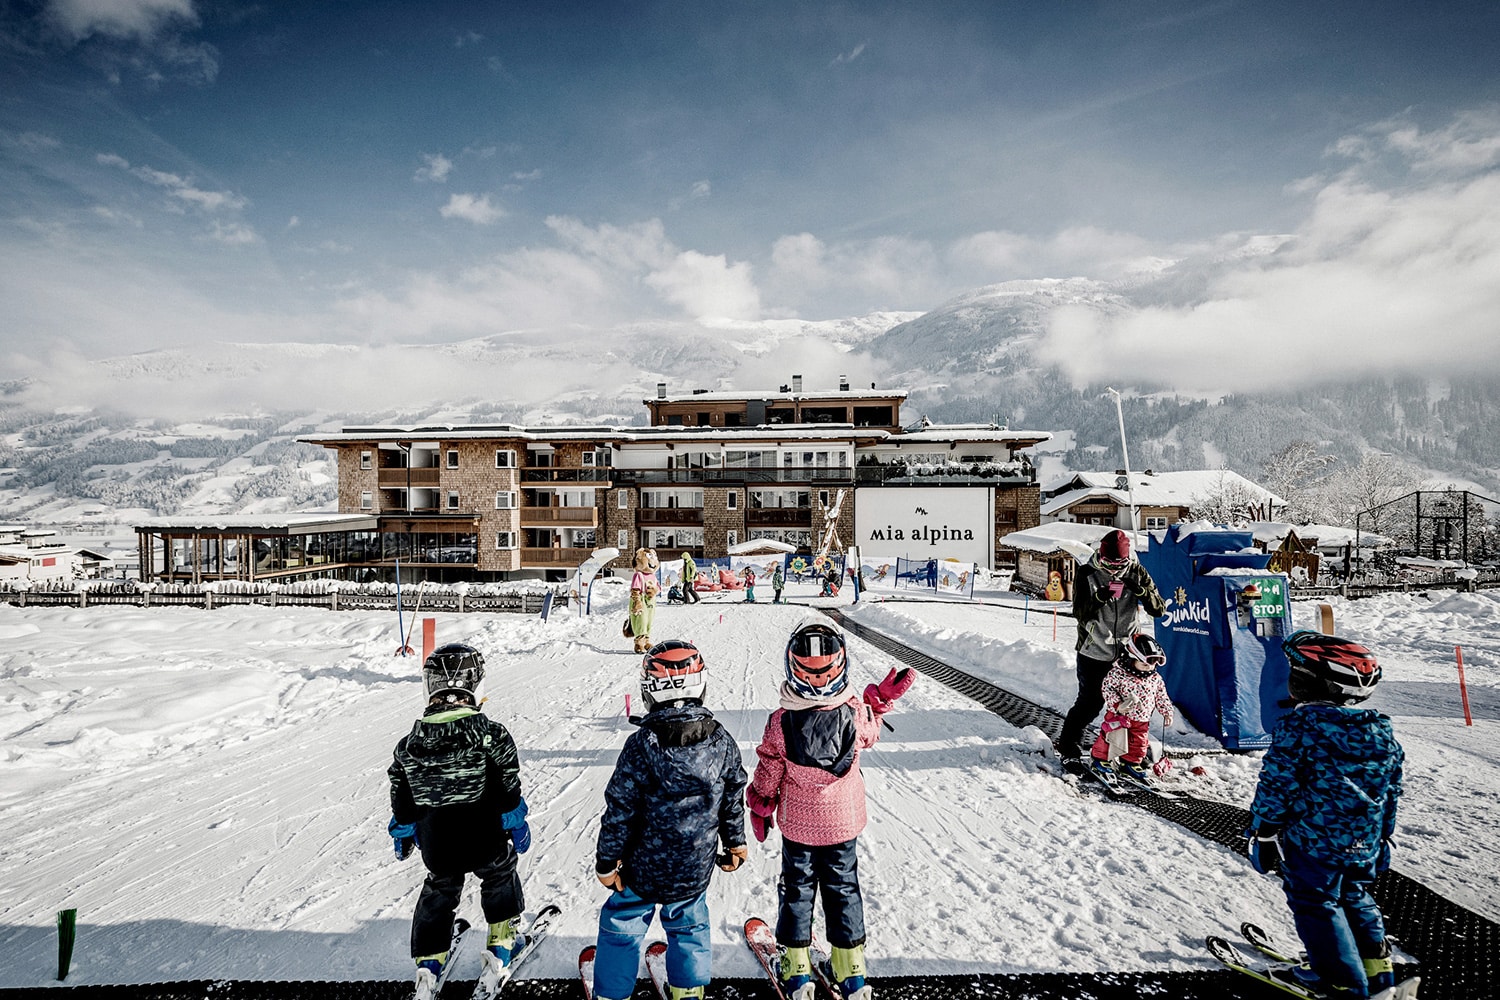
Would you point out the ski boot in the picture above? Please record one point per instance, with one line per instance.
(1379, 970)
(796, 974)
(1102, 768)
(684, 992)
(497, 951)
(1302, 977)
(849, 972)
(1136, 772)
(429, 972)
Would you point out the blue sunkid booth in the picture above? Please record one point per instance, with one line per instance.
(1222, 632)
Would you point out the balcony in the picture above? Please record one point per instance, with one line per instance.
(552, 474)
(669, 515)
(553, 557)
(778, 517)
(398, 479)
(948, 473)
(734, 477)
(546, 517)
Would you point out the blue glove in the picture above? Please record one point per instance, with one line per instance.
(1265, 852)
(515, 822)
(405, 836)
(1383, 863)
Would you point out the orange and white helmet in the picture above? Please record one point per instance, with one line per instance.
(673, 671)
(817, 664)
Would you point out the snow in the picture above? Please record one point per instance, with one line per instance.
(208, 788)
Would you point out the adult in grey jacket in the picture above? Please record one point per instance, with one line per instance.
(1108, 593)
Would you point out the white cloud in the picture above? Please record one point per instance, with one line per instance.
(472, 208)
(436, 168)
(138, 19)
(700, 189)
(1377, 280)
(850, 56)
(708, 286)
(179, 187)
(233, 233)
(467, 38)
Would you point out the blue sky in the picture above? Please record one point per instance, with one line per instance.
(384, 172)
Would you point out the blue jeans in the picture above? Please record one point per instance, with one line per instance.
(623, 922)
(807, 871)
(1336, 917)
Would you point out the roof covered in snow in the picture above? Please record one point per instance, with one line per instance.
(1080, 541)
(1325, 536)
(1151, 489)
(301, 523)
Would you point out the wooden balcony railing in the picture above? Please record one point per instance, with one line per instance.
(397, 479)
(554, 557)
(765, 517)
(669, 515)
(572, 516)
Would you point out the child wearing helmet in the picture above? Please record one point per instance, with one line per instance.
(1133, 692)
(1325, 811)
(807, 780)
(456, 794)
(675, 798)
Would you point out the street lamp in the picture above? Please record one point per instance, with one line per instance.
(1125, 453)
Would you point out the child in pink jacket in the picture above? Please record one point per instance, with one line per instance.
(1133, 692)
(807, 780)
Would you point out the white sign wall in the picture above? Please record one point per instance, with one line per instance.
(926, 523)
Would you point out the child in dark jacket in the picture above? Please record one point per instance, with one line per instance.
(807, 778)
(675, 797)
(1324, 813)
(456, 794)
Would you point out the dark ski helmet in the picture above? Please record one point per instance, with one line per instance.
(1327, 668)
(817, 664)
(453, 670)
(673, 671)
(1143, 653)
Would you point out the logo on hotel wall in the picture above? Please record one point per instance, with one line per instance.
(930, 533)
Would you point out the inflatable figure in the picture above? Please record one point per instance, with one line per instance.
(643, 588)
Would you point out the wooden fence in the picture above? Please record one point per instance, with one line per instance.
(524, 602)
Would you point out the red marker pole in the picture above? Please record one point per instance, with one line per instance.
(627, 705)
(429, 637)
(1054, 624)
(1463, 688)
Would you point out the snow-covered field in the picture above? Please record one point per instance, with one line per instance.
(208, 789)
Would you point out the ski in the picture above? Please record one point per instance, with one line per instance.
(762, 942)
(586, 971)
(1261, 942)
(494, 977)
(428, 986)
(1237, 960)
(656, 967)
(1133, 784)
(822, 964)
(1106, 783)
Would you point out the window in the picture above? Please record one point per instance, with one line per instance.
(366, 500)
(505, 500)
(366, 460)
(453, 499)
(622, 539)
(505, 539)
(452, 458)
(732, 500)
(732, 538)
(823, 498)
(505, 458)
(588, 458)
(1154, 523)
(622, 500)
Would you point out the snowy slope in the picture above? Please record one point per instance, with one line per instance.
(208, 789)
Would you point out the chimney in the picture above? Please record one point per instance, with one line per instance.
(843, 383)
(797, 385)
(661, 390)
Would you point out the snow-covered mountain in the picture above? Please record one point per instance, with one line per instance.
(212, 427)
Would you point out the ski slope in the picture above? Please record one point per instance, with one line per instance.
(208, 789)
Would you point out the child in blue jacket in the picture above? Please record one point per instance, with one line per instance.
(1324, 813)
(677, 794)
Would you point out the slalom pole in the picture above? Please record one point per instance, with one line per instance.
(1463, 689)
(1054, 624)
(1026, 610)
(406, 639)
(67, 921)
(400, 623)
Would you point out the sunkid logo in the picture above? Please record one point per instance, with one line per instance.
(1182, 610)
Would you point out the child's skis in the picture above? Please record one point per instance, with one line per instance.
(1258, 939)
(494, 977)
(656, 967)
(428, 984)
(586, 971)
(762, 942)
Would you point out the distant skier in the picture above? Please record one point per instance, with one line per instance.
(1133, 692)
(749, 576)
(643, 590)
(456, 794)
(676, 796)
(778, 581)
(1108, 593)
(689, 580)
(807, 779)
(1324, 814)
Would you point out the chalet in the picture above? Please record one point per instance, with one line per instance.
(711, 470)
(1161, 498)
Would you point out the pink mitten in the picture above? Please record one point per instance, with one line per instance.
(1115, 589)
(896, 683)
(761, 825)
